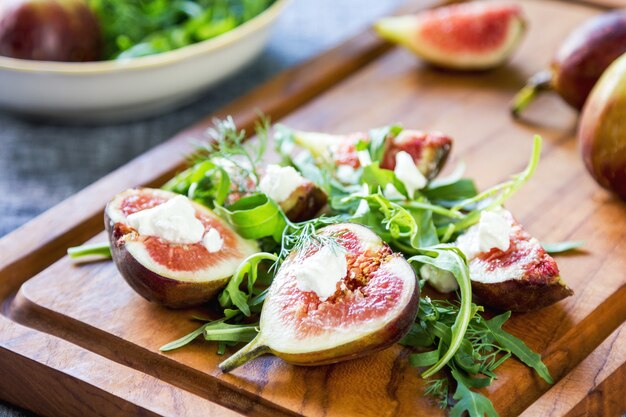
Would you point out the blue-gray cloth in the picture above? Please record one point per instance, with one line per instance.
(41, 164)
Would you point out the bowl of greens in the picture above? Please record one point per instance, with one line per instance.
(112, 60)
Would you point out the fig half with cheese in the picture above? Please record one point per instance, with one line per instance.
(429, 150)
(170, 249)
(509, 269)
(298, 197)
(342, 296)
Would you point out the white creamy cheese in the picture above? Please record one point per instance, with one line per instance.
(408, 173)
(492, 231)
(441, 280)
(279, 182)
(346, 174)
(212, 240)
(391, 191)
(321, 272)
(364, 158)
(174, 221)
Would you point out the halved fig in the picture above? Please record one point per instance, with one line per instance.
(522, 277)
(343, 297)
(470, 36)
(429, 150)
(173, 274)
(299, 198)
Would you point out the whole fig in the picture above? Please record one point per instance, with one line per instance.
(602, 130)
(579, 62)
(49, 30)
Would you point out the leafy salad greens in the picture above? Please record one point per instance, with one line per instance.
(452, 340)
(135, 28)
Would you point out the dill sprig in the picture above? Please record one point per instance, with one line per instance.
(298, 236)
(226, 141)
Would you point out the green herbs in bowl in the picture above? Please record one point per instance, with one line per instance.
(135, 28)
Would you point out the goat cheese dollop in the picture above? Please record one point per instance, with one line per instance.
(440, 279)
(175, 221)
(213, 241)
(492, 231)
(408, 173)
(322, 271)
(279, 182)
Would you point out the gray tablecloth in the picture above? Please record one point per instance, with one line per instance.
(44, 163)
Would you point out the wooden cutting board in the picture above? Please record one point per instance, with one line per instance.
(77, 339)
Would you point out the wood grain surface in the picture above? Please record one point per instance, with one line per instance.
(110, 336)
(593, 388)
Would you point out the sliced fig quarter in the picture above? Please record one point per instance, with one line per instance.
(369, 308)
(470, 36)
(429, 150)
(173, 274)
(521, 278)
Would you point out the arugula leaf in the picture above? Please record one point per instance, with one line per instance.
(378, 178)
(254, 217)
(517, 347)
(451, 259)
(378, 138)
(216, 330)
(224, 332)
(232, 294)
(560, 247)
(95, 251)
(450, 194)
(474, 403)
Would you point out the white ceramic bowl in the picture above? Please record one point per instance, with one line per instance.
(121, 90)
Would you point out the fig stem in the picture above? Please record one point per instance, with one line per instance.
(541, 81)
(250, 351)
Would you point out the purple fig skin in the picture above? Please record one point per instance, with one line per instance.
(152, 286)
(521, 295)
(586, 53)
(49, 30)
(579, 62)
(602, 129)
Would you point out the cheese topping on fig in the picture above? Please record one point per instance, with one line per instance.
(280, 182)
(408, 173)
(346, 174)
(322, 271)
(442, 280)
(391, 191)
(212, 240)
(173, 221)
(493, 231)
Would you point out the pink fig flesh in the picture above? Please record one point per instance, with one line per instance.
(472, 36)
(174, 275)
(373, 306)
